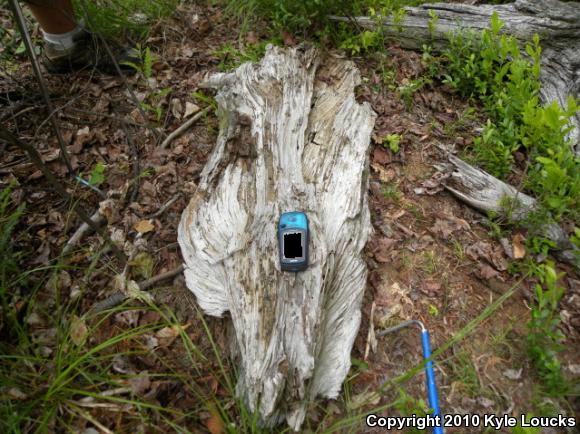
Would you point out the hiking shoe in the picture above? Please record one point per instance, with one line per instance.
(88, 51)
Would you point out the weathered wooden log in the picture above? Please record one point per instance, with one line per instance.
(557, 23)
(292, 137)
(486, 193)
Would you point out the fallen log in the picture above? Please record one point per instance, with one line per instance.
(488, 194)
(557, 23)
(292, 138)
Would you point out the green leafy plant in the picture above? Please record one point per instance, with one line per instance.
(544, 337)
(519, 429)
(362, 43)
(298, 16)
(119, 18)
(408, 405)
(145, 68)
(490, 67)
(575, 238)
(407, 91)
(9, 262)
(154, 97)
(432, 24)
(392, 142)
(231, 57)
(392, 193)
(97, 176)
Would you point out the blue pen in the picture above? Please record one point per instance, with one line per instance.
(429, 372)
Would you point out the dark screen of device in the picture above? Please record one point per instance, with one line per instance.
(293, 245)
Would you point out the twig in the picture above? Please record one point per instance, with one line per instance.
(13, 115)
(133, 188)
(164, 208)
(91, 419)
(35, 157)
(110, 392)
(111, 301)
(108, 406)
(146, 284)
(406, 230)
(119, 297)
(183, 128)
(102, 115)
(97, 218)
(21, 23)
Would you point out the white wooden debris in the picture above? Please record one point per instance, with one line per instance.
(292, 138)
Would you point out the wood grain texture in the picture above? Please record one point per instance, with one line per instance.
(292, 137)
(486, 193)
(557, 23)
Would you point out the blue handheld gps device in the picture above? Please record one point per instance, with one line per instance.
(293, 241)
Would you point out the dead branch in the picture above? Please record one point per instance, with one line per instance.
(554, 21)
(119, 297)
(183, 128)
(486, 193)
(35, 157)
(97, 218)
(164, 208)
(146, 284)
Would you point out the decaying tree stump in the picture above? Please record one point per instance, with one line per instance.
(292, 137)
(557, 23)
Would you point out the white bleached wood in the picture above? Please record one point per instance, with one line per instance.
(486, 193)
(292, 137)
(557, 23)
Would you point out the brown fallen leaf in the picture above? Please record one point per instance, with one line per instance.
(190, 109)
(431, 287)
(251, 38)
(78, 331)
(83, 136)
(167, 335)
(518, 246)
(433, 185)
(287, 38)
(140, 383)
(493, 255)
(385, 175)
(445, 227)
(16, 393)
(381, 156)
(382, 252)
(214, 424)
(487, 272)
(144, 226)
(51, 155)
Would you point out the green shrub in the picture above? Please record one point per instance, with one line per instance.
(122, 17)
(490, 67)
(544, 338)
(307, 16)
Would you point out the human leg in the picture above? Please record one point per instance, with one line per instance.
(68, 46)
(53, 16)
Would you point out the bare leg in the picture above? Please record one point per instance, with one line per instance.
(54, 16)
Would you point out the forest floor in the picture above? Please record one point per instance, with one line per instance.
(430, 257)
